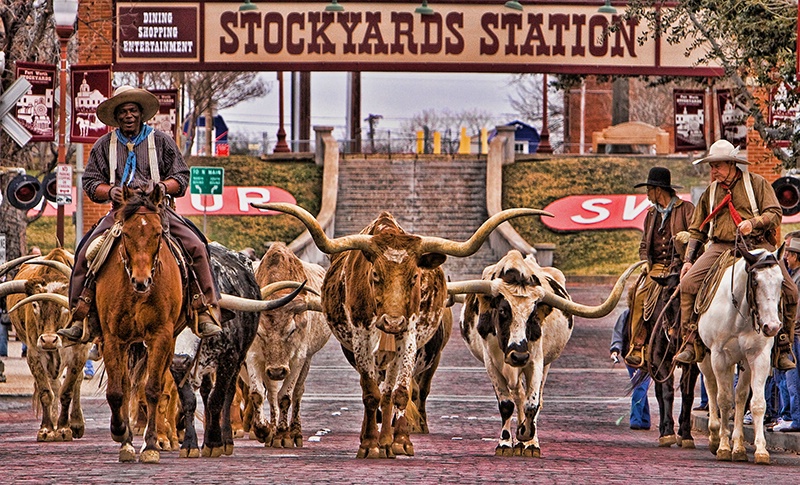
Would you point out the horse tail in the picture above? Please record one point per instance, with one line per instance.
(637, 379)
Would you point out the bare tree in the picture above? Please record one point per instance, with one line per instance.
(206, 92)
(527, 101)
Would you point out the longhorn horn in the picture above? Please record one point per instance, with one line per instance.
(586, 311)
(313, 303)
(10, 287)
(484, 287)
(271, 288)
(470, 246)
(64, 268)
(323, 242)
(9, 265)
(237, 303)
(53, 297)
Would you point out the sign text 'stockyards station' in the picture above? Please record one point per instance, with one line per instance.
(546, 37)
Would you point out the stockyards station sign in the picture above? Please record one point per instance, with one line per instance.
(552, 37)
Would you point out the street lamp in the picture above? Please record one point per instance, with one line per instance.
(281, 146)
(65, 13)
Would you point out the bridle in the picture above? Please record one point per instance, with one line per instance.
(765, 260)
(123, 252)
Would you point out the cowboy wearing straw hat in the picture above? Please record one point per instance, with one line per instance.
(668, 216)
(736, 201)
(135, 155)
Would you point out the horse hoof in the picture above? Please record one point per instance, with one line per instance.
(149, 456)
(239, 433)
(227, 450)
(127, 454)
(739, 456)
(723, 455)
(667, 441)
(762, 458)
(687, 444)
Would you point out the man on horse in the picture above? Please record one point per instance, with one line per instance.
(136, 155)
(668, 216)
(735, 202)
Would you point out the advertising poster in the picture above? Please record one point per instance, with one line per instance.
(782, 114)
(732, 118)
(690, 126)
(165, 119)
(91, 86)
(34, 111)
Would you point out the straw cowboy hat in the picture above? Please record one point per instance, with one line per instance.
(659, 177)
(722, 151)
(127, 94)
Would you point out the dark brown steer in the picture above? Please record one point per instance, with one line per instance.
(383, 296)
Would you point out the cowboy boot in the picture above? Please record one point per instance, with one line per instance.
(687, 354)
(635, 357)
(783, 358)
(208, 322)
(74, 332)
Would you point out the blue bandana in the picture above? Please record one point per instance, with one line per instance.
(130, 162)
(664, 211)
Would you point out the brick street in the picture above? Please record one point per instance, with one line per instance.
(583, 429)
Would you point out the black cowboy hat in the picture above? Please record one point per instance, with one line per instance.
(659, 177)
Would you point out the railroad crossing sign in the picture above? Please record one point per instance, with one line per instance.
(63, 184)
(7, 121)
(206, 180)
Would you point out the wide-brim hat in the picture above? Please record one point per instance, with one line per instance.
(659, 177)
(794, 245)
(128, 94)
(722, 151)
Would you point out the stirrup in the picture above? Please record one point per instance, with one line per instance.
(686, 356)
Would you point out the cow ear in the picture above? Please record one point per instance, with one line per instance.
(431, 260)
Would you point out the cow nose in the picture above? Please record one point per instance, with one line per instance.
(48, 341)
(277, 373)
(392, 324)
(517, 354)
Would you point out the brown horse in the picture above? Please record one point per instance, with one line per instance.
(139, 299)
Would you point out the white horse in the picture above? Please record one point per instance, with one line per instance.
(738, 328)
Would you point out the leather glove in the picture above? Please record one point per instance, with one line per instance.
(115, 194)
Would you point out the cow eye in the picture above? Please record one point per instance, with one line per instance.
(414, 280)
(375, 277)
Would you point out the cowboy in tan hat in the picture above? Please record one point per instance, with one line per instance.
(724, 209)
(135, 155)
(668, 216)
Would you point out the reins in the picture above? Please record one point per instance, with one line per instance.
(764, 261)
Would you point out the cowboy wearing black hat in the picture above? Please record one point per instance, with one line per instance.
(135, 155)
(668, 216)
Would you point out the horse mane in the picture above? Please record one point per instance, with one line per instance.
(137, 201)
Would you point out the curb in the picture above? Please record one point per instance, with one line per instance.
(775, 440)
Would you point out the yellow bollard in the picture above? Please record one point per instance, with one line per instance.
(437, 143)
(463, 144)
(420, 142)
(484, 141)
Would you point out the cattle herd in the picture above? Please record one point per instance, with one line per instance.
(386, 300)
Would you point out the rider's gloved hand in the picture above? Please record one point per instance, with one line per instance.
(115, 194)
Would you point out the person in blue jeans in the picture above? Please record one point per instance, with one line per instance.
(640, 407)
(792, 377)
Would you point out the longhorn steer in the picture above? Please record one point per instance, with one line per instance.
(36, 321)
(383, 296)
(279, 359)
(517, 321)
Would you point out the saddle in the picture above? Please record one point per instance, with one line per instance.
(708, 287)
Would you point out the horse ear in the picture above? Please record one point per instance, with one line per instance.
(746, 254)
(780, 251)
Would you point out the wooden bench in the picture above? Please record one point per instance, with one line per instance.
(628, 135)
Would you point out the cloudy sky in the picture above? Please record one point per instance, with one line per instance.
(395, 96)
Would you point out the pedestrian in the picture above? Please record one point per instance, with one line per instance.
(640, 406)
(790, 394)
(138, 156)
(663, 252)
(736, 203)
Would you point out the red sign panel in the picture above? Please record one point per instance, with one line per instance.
(234, 201)
(34, 110)
(91, 85)
(595, 212)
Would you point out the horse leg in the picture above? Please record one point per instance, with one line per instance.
(117, 389)
(760, 366)
(688, 382)
(160, 350)
(665, 395)
(724, 375)
(713, 408)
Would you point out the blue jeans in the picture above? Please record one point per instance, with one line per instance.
(640, 407)
(703, 392)
(793, 386)
(3, 340)
(783, 411)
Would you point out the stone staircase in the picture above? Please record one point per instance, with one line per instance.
(428, 195)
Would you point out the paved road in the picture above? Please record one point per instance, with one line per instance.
(583, 439)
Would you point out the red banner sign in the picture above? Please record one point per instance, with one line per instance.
(234, 201)
(34, 111)
(595, 212)
(91, 85)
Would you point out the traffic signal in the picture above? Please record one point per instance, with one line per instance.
(24, 192)
(49, 188)
(787, 189)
